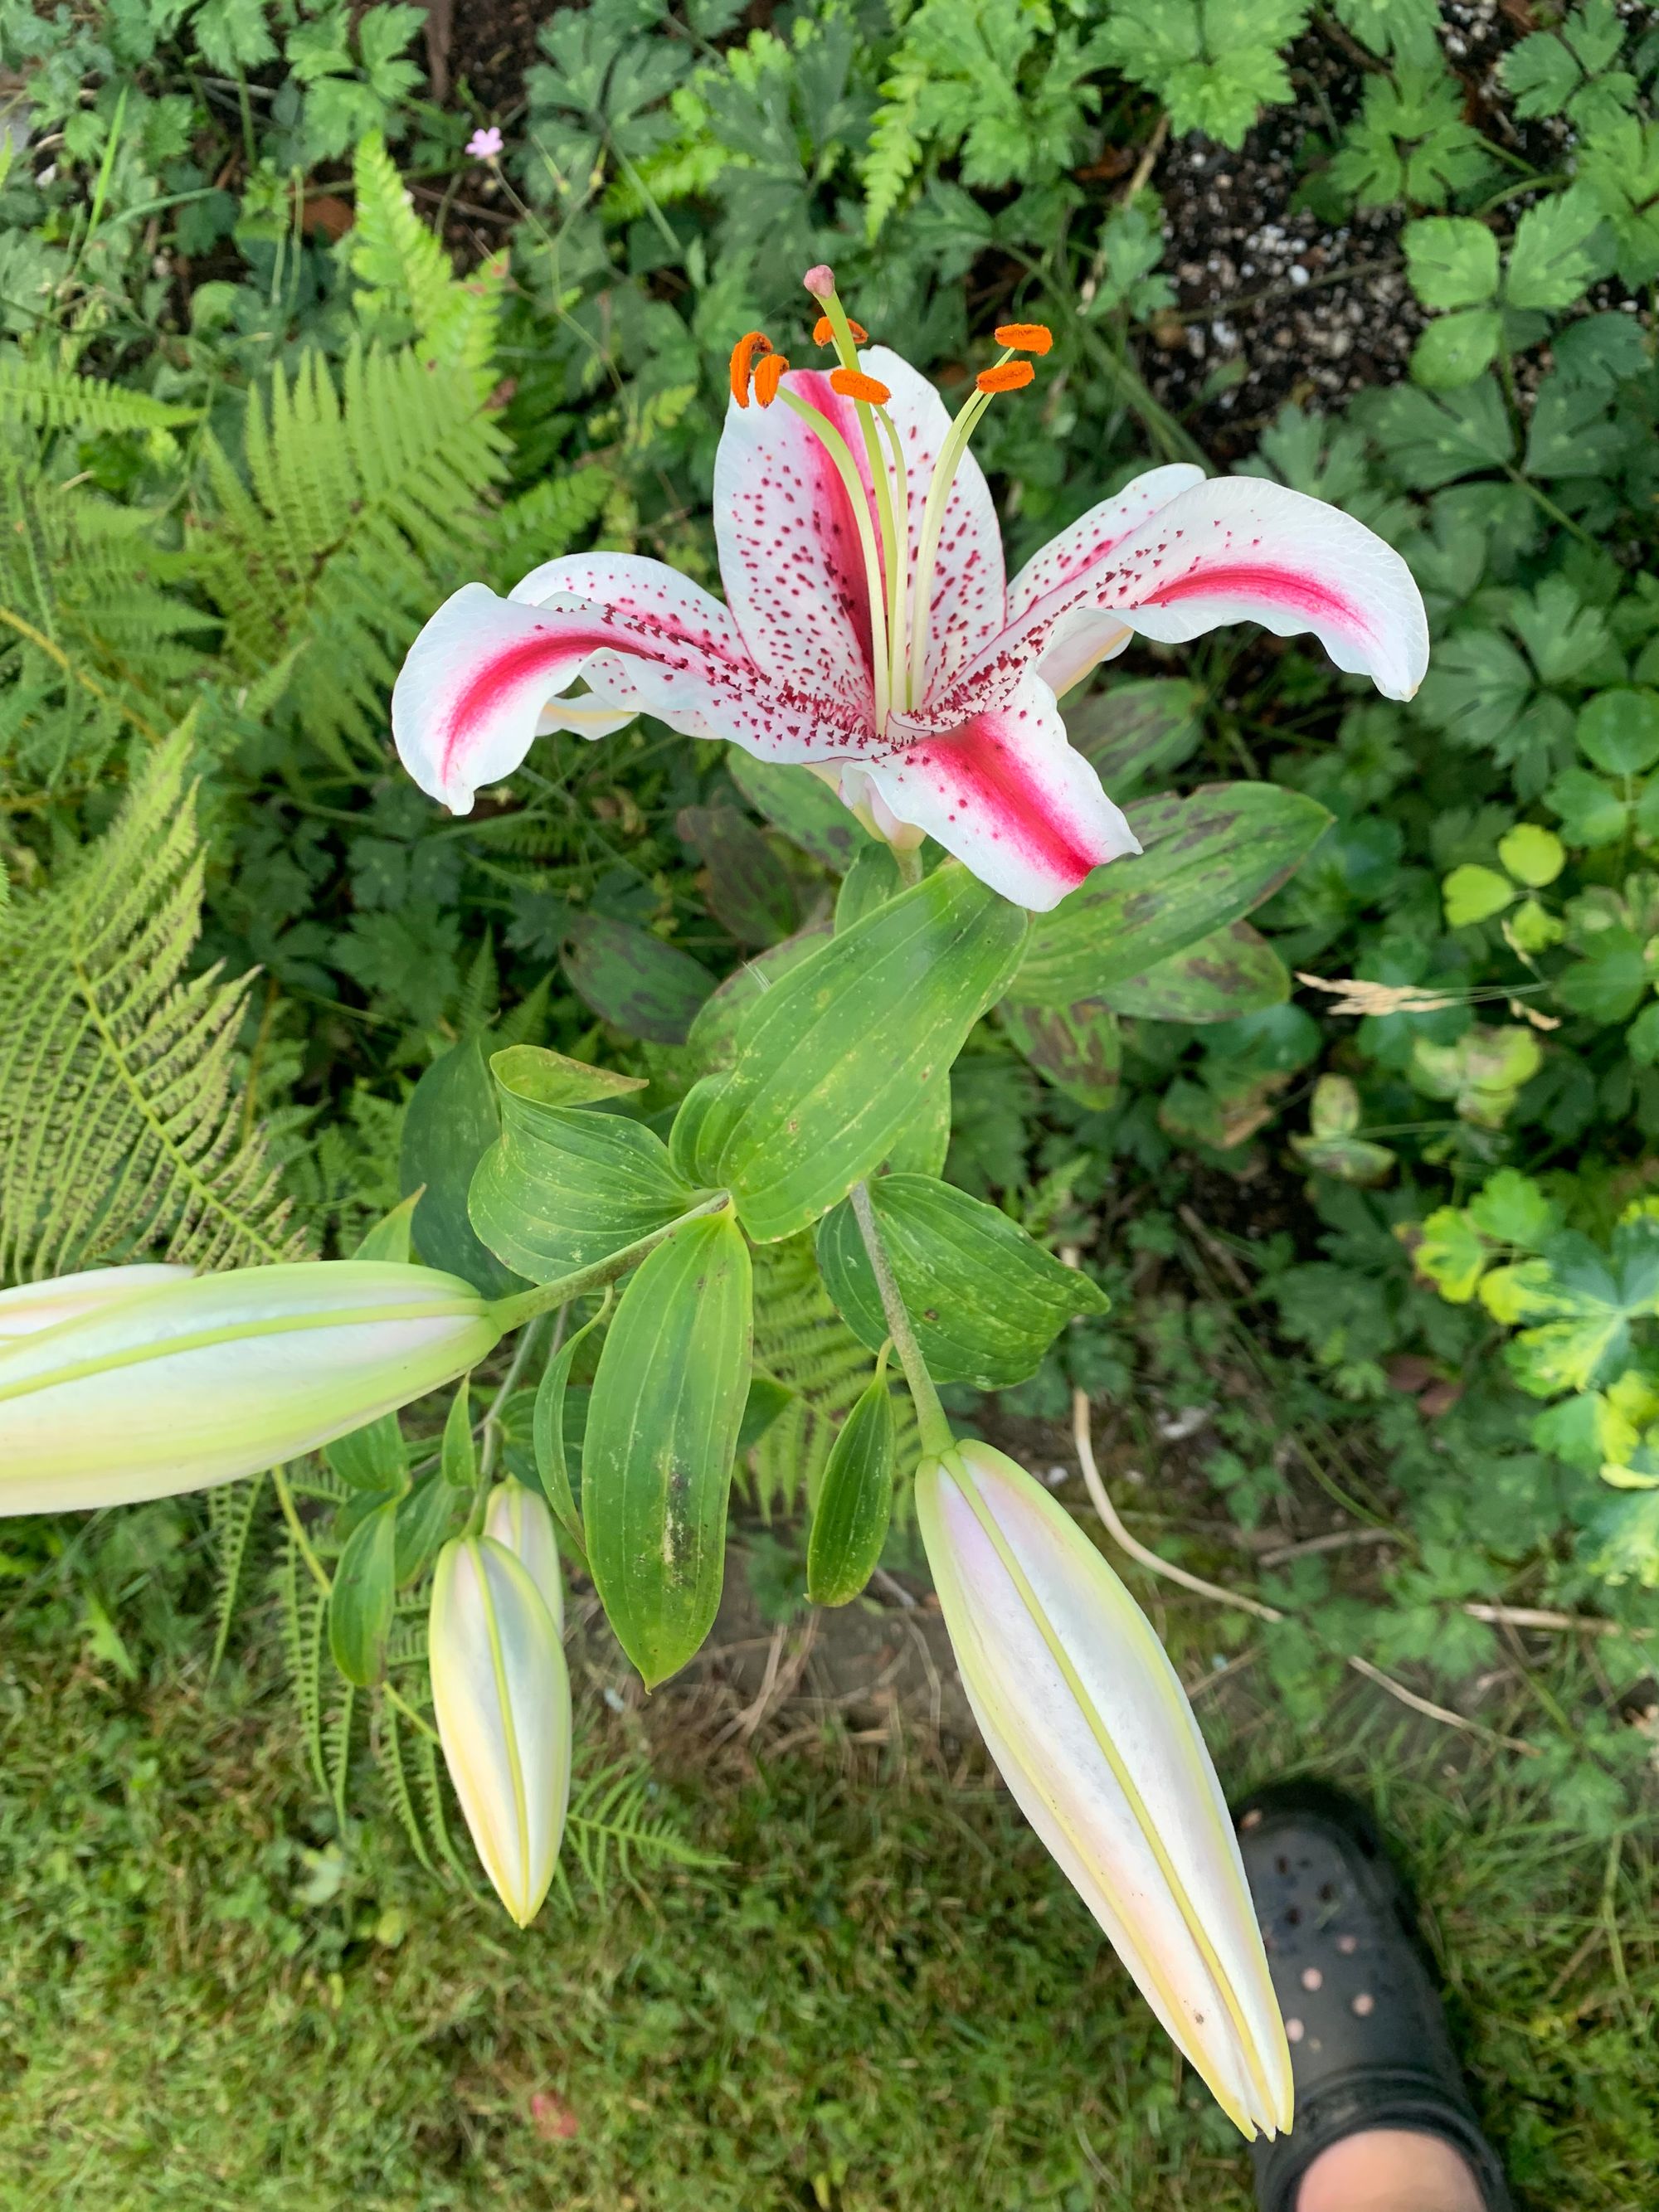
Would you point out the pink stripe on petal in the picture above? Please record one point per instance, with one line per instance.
(482, 676)
(1236, 549)
(1006, 793)
(550, 661)
(1279, 587)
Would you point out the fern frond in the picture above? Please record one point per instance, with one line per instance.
(431, 1782)
(894, 148)
(546, 521)
(611, 1825)
(394, 1776)
(231, 1521)
(303, 1623)
(338, 1729)
(121, 1128)
(48, 397)
(360, 504)
(803, 1341)
(91, 645)
(407, 276)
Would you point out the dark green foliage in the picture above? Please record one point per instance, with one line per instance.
(240, 464)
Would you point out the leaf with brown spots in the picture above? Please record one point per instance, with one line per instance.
(663, 1425)
(1210, 858)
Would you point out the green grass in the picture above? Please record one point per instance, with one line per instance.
(885, 1998)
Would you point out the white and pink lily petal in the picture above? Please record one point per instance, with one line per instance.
(868, 628)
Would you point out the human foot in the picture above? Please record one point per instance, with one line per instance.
(1383, 2123)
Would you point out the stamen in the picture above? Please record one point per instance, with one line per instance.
(1025, 338)
(742, 360)
(854, 384)
(768, 374)
(1006, 376)
(823, 331)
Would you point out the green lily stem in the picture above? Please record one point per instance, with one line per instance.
(490, 1428)
(525, 1305)
(936, 1436)
(320, 1573)
(907, 861)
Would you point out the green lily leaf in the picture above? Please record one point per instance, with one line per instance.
(985, 1300)
(565, 1186)
(802, 805)
(749, 888)
(1077, 1048)
(840, 1058)
(1232, 971)
(364, 1596)
(1128, 732)
(450, 1122)
(855, 1498)
(663, 1425)
(634, 980)
(1209, 859)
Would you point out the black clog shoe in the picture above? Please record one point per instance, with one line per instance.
(1368, 2046)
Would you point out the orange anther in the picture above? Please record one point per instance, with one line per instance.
(768, 374)
(1025, 338)
(854, 384)
(1009, 376)
(743, 363)
(823, 331)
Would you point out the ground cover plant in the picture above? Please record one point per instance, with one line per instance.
(312, 318)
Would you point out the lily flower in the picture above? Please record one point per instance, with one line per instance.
(502, 1693)
(868, 628)
(155, 1382)
(1089, 1724)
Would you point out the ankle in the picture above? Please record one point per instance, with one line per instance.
(1389, 2170)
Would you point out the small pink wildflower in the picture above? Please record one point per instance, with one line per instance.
(485, 145)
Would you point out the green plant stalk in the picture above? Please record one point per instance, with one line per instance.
(302, 1543)
(937, 1438)
(525, 1305)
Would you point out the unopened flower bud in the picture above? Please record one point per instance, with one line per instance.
(1088, 1721)
(519, 1519)
(180, 1382)
(502, 1693)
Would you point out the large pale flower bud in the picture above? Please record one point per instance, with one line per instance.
(1088, 1721)
(34, 1306)
(180, 1382)
(501, 1692)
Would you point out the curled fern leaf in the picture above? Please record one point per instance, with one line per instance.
(121, 1126)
